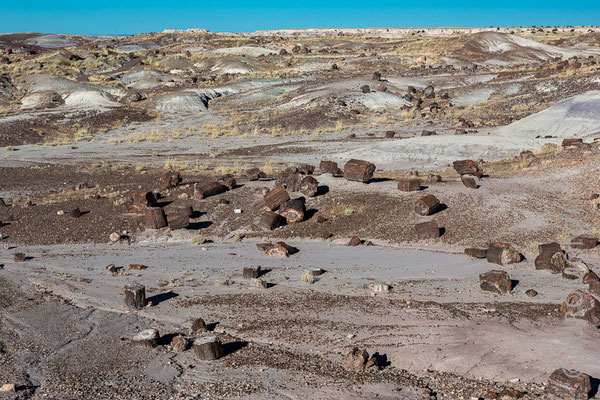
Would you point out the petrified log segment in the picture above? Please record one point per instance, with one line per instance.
(208, 348)
(147, 338)
(169, 179)
(581, 305)
(75, 213)
(271, 220)
(276, 197)
(427, 205)
(134, 296)
(569, 384)
(198, 325)
(254, 174)
(553, 247)
(495, 281)
(251, 272)
(309, 186)
(293, 211)
(555, 261)
(409, 185)
(476, 253)
(138, 202)
(155, 218)
(330, 167)
(258, 283)
(19, 257)
(180, 343)
(571, 142)
(469, 181)
(428, 230)
(183, 210)
(178, 222)
(279, 249)
(467, 167)
(204, 190)
(503, 255)
(356, 360)
(228, 181)
(359, 170)
(289, 179)
(584, 242)
(354, 241)
(306, 169)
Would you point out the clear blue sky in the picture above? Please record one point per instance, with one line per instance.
(128, 17)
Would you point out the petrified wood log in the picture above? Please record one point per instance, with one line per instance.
(271, 220)
(495, 281)
(293, 210)
(306, 169)
(276, 197)
(228, 181)
(569, 384)
(467, 167)
(354, 241)
(427, 205)
(581, 305)
(309, 186)
(180, 343)
(409, 184)
(155, 218)
(584, 242)
(207, 189)
(428, 230)
(208, 348)
(355, 360)
(178, 221)
(469, 181)
(359, 170)
(289, 179)
(147, 338)
(254, 174)
(138, 202)
(502, 255)
(280, 249)
(169, 179)
(183, 210)
(258, 283)
(19, 257)
(555, 261)
(571, 142)
(476, 253)
(554, 247)
(330, 167)
(198, 325)
(251, 272)
(134, 296)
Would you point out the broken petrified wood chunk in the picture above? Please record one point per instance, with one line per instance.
(428, 230)
(293, 210)
(289, 179)
(178, 221)
(228, 181)
(354, 241)
(147, 338)
(330, 167)
(182, 210)
(155, 218)
(359, 170)
(594, 287)
(280, 249)
(554, 247)
(309, 186)
(467, 167)
(169, 179)
(584, 242)
(495, 281)
(19, 257)
(569, 384)
(208, 348)
(469, 181)
(180, 343)
(271, 220)
(75, 213)
(138, 202)
(502, 255)
(251, 272)
(306, 169)
(355, 360)
(475, 252)
(589, 277)
(254, 174)
(581, 305)
(198, 325)
(134, 296)
(207, 189)
(555, 261)
(258, 283)
(409, 185)
(276, 197)
(427, 205)
(571, 142)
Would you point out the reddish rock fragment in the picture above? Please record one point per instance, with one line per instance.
(584, 242)
(359, 170)
(180, 343)
(569, 384)
(428, 230)
(169, 179)
(356, 360)
(467, 167)
(476, 253)
(495, 281)
(581, 305)
(503, 256)
(354, 241)
(409, 185)
(554, 261)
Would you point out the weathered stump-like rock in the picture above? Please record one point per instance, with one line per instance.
(208, 348)
(178, 221)
(569, 384)
(271, 220)
(169, 179)
(276, 197)
(409, 185)
(138, 202)
(309, 186)
(134, 296)
(254, 174)
(330, 167)
(554, 247)
(476, 253)
(180, 343)
(155, 218)
(293, 211)
(428, 230)
(469, 181)
(359, 170)
(503, 255)
(208, 189)
(427, 205)
(554, 261)
(581, 305)
(147, 338)
(584, 242)
(467, 167)
(198, 325)
(251, 272)
(495, 281)
(356, 360)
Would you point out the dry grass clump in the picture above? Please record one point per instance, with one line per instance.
(307, 277)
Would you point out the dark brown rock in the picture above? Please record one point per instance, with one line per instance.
(409, 185)
(495, 281)
(468, 167)
(427, 205)
(428, 230)
(569, 384)
(476, 253)
(359, 170)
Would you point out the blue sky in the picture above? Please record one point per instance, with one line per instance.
(129, 17)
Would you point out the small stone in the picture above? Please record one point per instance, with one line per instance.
(8, 387)
(531, 293)
(180, 343)
(258, 283)
(355, 360)
(496, 281)
(354, 241)
(198, 325)
(115, 237)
